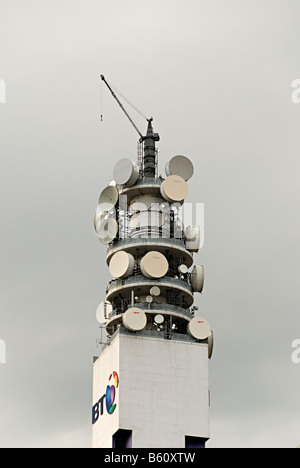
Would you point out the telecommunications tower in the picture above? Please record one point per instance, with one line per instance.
(150, 383)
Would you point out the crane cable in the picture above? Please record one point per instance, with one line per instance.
(101, 103)
(128, 102)
(116, 91)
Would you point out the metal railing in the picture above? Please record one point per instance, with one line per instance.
(150, 334)
(144, 241)
(142, 279)
(153, 334)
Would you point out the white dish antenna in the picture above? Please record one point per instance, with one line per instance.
(154, 265)
(121, 265)
(108, 199)
(197, 278)
(103, 312)
(135, 319)
(199, 328)
(126, 172)
(155, 291)
(174, 189)
(183, 269)
(181, 166)
(159, 319)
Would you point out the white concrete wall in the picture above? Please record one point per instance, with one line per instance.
(163, 393)
(107, 424)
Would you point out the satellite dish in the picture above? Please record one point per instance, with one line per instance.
(126, 172)
(100, 313)
(149, 299)
(155, 291)
(192, 234)
(108, 199)
(154, 265)
(107, 230)
(199, 328)
(135, 319)
(174, 189)
(183, 269)
(121, 265)
(197, 278)
(210, 345)
(159, 319)
(181, 166)
(103, 311)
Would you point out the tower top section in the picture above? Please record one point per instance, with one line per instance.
(149, 162)
(150, 132)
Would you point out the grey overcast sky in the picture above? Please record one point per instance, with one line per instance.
(216, 75)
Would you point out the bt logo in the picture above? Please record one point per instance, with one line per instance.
(109, 397)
